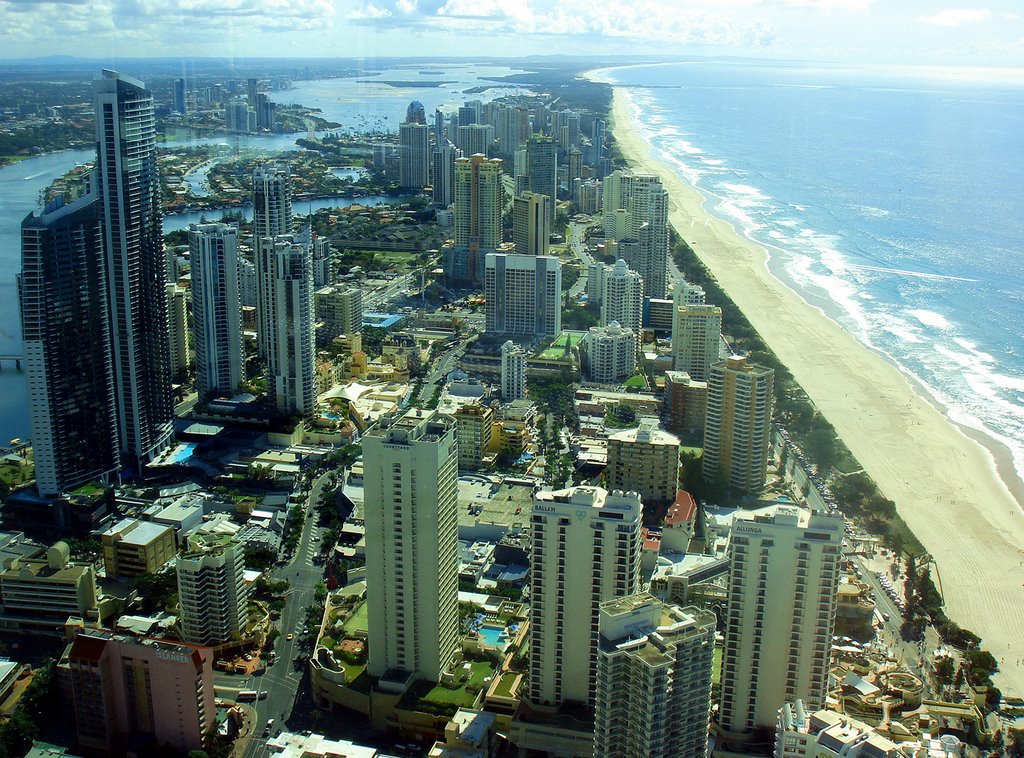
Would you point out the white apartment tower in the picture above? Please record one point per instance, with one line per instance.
(414, 155)
(285, 271)
(622, 297)
(635, 209)
(783, 574)
(411, 474)
(177, 329)
(737, 428)
(610, 353)
(524, 294)
(272, 201)
(653, 680)
(696, 336)
(211, 590)
(531, 223)
(513, 371)
(216, 307)
(443, 159)
(585, 549)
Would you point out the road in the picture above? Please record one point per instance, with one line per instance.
(575, 236)
(383, 298)
(441, 369)
(282, 680)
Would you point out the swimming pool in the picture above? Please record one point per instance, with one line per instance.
(492, 635)
(183, 453)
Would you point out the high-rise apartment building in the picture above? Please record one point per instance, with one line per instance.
(410, 465)
(216, 307)
(542, 170)
(272, 202)
(585, 549)
(696, 339)
(134, 249)
(443, 157)
(575, 175)
(610, 353)
(531, 223)
(180, 105)
(66, 340)
(479, 201)
(414, 156)
(322, 275)
(597, 148)
(653, 679)
(177, 330)
(524, 294)
(415, 113)
(143, 695)
(635, 208)
(513, 371)
(285, 272)
(622, 297)
(211, 590)
(686, 404)
(783, 575)
(737, 431)
(339, 311)
(475, 139)
(644, 460)
(473, 422)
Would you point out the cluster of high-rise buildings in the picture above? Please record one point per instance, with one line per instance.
(105, 331)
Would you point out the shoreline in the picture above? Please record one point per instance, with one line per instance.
(945, 479)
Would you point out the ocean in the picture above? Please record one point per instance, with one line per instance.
(889, 197)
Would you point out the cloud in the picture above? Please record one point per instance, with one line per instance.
(957, 17)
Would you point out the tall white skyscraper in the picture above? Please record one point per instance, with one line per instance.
(622, 297)
(285, 272)
(696, 337)
(636, 216)
(479, 202)
(783, 575)
(135, 266)
(412, 552)
(653, 680)
(216, 307)
(414, 155)
(531, 223)
(610, 353)
(66, 339)
(475, 139)
(524, 294)
(211, 590)
(737, 429)
(272, 201)
(585, 549)
(513, 371)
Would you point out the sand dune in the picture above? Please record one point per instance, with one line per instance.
(944, 483)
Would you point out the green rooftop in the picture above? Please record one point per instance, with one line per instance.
(557, 349)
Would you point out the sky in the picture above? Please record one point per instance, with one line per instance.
(928, 32)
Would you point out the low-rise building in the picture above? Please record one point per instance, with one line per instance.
(41, 592)
(132, 547)
(827, 734)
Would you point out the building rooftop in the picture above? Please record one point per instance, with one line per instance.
(682, 510)
(141, 534)
(488, 500)
(645, 434)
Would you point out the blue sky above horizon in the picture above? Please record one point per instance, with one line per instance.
(930, 32)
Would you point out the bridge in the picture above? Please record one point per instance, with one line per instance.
(11, 358)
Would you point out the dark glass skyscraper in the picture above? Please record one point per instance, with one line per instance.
(135, 270)
(68, 354)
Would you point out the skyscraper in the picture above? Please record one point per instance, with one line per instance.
(531, 223)
(513, 371)
(610, 353)
(636, 210)
(66, 337)
(585, 550)
(272, 201)
(285, 272)
(412, 563)
(177, 330)
(542, 169)
(415, 113)
(414, 156)
(597, 148)
(575, 176)
(135, 268)
(216, 307)
(524, 294)
(444, 174)
(475, 139)
(479, 201)
(179, 97)
(783, 575)
(622, 297)
(696, 335)
(644, 460)
(737, 432)
(211, 590)
(653, 680)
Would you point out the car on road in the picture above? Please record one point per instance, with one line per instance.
(290, 637)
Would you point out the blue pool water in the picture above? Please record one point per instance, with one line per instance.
(491, 634)
(184, 453)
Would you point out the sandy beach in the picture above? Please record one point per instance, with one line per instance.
(945, 484)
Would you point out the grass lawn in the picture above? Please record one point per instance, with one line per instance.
(698, 451)
(14, 474)
(636, 381)
(358, 620)
(92, 488)
(716, 667)
(395, 256)
(504, 688)
(440, 697)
